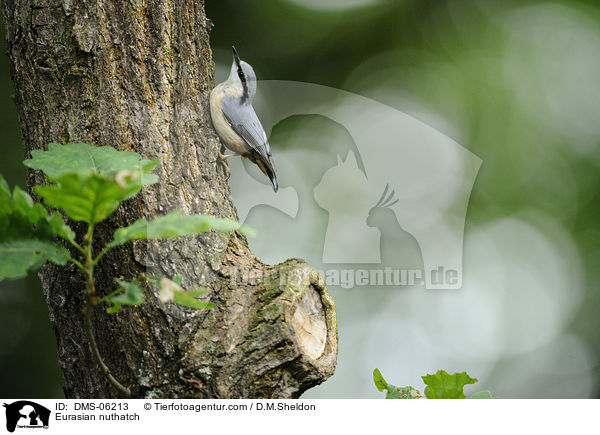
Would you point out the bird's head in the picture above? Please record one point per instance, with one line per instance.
(243, 76)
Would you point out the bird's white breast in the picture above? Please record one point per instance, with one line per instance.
(229, 137)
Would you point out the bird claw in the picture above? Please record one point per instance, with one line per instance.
(221, 156)
(224, 157)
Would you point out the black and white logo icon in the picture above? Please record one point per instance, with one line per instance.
(26, 414)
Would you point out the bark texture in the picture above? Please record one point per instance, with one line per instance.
(136, 76)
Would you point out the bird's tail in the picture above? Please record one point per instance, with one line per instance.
(270, 172)
(265, 163)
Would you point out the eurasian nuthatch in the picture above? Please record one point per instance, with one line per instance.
(235, 120)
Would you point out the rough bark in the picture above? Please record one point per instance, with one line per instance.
(136, 76)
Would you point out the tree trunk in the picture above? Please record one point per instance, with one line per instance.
(137, 76)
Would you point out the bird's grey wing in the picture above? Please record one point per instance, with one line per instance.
(244, 122)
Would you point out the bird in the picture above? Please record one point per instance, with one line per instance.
(236, 122)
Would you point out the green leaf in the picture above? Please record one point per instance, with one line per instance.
(60, 228)
(130, 294)
(482, 395)
(174, 224)
(5, 197)
(60, 160)
(114, 309)
(88, 197)
(380, 383)
(393, 392)
(24, 205)
(4, 185)
(26, 234)
(171, 291)
(188, 299)
(445, 386)
(17, 257)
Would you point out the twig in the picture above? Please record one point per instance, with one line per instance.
(96, 353)
(88, 268)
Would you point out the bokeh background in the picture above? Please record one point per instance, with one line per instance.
(515, 82)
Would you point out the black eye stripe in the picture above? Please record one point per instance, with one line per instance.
(242, 77)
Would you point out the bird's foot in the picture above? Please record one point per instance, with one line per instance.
(224, 157)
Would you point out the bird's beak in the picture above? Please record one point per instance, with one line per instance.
(235, 55)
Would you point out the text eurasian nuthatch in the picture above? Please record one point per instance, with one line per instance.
(236, 122)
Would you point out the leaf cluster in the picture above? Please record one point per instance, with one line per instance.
(87, 184)
(440, 385)
(27, 234)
